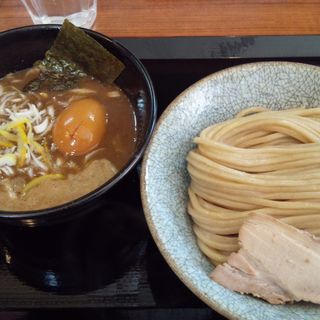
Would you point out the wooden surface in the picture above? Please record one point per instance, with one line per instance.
(154, 18)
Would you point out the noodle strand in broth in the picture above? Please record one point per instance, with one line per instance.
(261, 161)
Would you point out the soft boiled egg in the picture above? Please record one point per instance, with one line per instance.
(80, 127)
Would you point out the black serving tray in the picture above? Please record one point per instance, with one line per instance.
(142, 286)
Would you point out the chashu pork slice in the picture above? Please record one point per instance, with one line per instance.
(276, 262)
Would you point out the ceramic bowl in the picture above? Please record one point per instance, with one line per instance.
(164, 180)
(19, 49)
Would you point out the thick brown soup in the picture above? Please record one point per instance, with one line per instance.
(66, 142)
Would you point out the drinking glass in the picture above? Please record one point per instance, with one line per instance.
(81, 13)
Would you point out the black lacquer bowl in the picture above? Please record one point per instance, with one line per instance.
(19, 49)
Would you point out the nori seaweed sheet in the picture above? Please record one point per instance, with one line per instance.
(74, 55)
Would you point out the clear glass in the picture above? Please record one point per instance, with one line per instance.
(81, 13)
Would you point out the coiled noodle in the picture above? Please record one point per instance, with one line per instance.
(261, 161)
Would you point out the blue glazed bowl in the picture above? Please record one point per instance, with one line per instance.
(164, 180)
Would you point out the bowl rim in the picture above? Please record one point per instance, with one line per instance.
(143, 177)
(132, 161)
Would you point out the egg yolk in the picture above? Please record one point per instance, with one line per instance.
(80, 127)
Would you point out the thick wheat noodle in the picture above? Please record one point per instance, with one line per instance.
(255, 159)
(282, 125)
(312, 147)
(216, 171)
(248, 111)
(259, 165)
(213, 214)
(216, 256)
(265, 195)
(261, 161)
(221, 242)
(251, 136)
(275, 118)
(263, 157)
(254, 200)
(276, 140)
(217, 223)
(202, 207)
(205, 180)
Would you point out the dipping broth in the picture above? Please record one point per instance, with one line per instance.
(66, 142)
